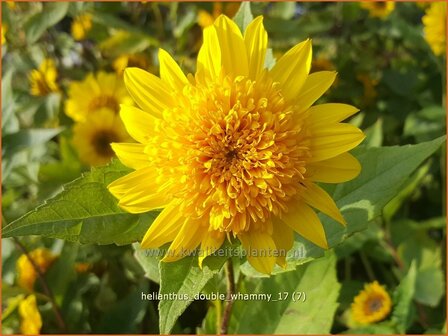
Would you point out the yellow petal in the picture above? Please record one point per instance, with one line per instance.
(211, 242)
(314, 87)
(292, 69)
(140, 200)
(283, 237)
(138, 191)
(341, 168)
(186, 241)
(170, 71)
(233, 49)
(260, 248)
(131, 155)
(165, 227)
(332, 140)
(256, 40)
(318, 198)
(330, 113)
(209, 56)
(139, 124)
(148, 91)
(302, 219)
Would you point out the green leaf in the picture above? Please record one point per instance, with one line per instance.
(291, 315)
(85, 212)
(402, 299)
(51, 14)
(150, 264)
(384, 172)
(244, 16)
(185, 279)
(14, 142)
(426, 124)
(125, 315)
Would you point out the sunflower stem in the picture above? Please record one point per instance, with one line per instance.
(229, 298)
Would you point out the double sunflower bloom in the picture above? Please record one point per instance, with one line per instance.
(236, 149)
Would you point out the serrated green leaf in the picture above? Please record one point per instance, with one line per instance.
(384, 171)
(85, 212)
(291, 316)
(184, 278)
(244, 16)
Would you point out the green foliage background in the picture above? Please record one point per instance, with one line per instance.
(395, 209)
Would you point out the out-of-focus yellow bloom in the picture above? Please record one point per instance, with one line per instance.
(95, 92)
(133, 60)
(235, 150)
(369, 85)
(206, 19)
(435, 27)
(93, 137)
(27, 275)
(11, 4)
(4, 30)
(371, 305)
(43, 80)
(379, 9)
(30, 319)
(82, 267)
(81, 25)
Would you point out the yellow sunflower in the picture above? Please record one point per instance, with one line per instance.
(371, 305)
(30, 319)
(379, 9)
(43, 80)
(81, 25)
(234, 150)
(92, 138)
(132, 60)
(26, 273)
(95, 92)
(435, 27)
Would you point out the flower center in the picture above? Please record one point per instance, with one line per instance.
(104, 101)
(373, 305)
(101, 143)
(237, 149)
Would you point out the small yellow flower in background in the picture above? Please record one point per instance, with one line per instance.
(134, 60)
(30, 319)
(235, 150)
(27, 275)
(11, 4)
(379, 9)
(92, 138)
(206, 19)
(43, 80)
(371, 305)
(93, 93)
(81, 25)
(4, 30)
(435, 27)
(369, 85)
